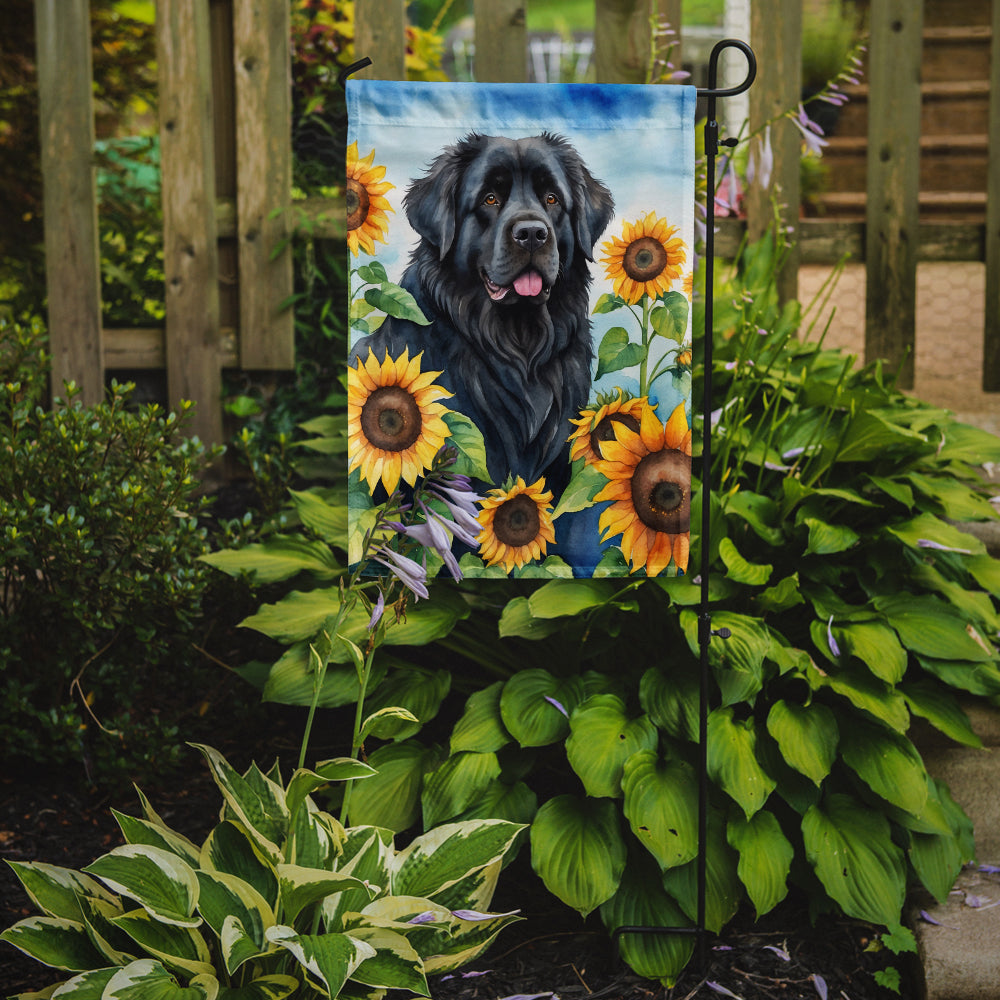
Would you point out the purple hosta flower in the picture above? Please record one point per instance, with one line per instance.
(719, 988)
(434, 534)
(927, 918)
(834, 648)
(531, 996)
(780, 952)
(377, 611)
(729, 195)
(559, 705)
(410, 573)
(475, 915)
(990, 869)
(927, 543)
(465, 975)
(760, 166)
(427, 917)
(820, 983)
(461, 503)
(811, 132)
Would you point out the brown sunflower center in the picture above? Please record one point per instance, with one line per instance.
(661, 491)
(605, 429)
(645, 258)
(358, 204)
(516, 521)
(390, 418)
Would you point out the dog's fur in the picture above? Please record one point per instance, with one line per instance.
(506, 228)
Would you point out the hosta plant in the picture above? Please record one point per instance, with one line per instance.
(279, 900)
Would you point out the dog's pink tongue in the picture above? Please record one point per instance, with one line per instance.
(528, 284)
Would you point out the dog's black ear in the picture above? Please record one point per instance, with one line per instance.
(594, 207)
(431, 202)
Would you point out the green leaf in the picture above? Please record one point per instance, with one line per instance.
(230, 849)
(301, 887)
(560, 598)
(888, 763)
(456, 784)
(870, 436)
(385, 723)
(330, 959)
(56, 891)
(580, 491)
(671, 699)
(141, 831)
(765, 858)
(391, 798)
(752, 574)
(395, 964)
(732, 760)
(226, 898)
(418, 690)
(373, 273)
(927, 527)
(932, 628)
(850, 848)
(941, 709)
(866, 692)
(807, 736)
(608, 303)
(279, 558)
(640, 901)
(876, 646)
(275, 987)
(670, 320)
(516, 803)
(737, 661)
(602, 738)
(577, 850)
(86, 986)
(615, 352)
(528, 714)
(481, 728)
(304, 782)
(328, 520)
(661, 798)
(54, 941)
(147, 979)
(517, 620)
(976, 678)
(468, 439)
(828, 539)
(180, 948)
(785, 594)
(397, 302)
(163, 884)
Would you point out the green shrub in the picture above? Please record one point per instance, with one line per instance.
(101, 584)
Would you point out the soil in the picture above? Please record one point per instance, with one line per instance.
(550, 953)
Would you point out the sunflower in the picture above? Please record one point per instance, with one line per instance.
(646, 260)
(366, 208)
(597, 425)
(649, 474)
(517, 524)
(395, 425)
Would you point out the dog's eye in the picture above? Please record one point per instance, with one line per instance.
(491, 199)
(551, 199)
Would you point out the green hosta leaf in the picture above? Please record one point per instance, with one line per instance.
(301, 887)
(98, 914)
(661, 798)
(765, 858)
(671, 700)
(941, 709)
(517, 620)
(560, 598)
(481, 728)
(304, 782)
(738, 661)
(279, 558)
(230, 849)
(56, 891)
(366, 855)
(986, 571)
(226, 898)
(888, 763)
(328, 520)
(397, 302)
(578, 851)
(932, 628)
(785, 594)
(395, 964)
(738, 569)
(870, 436)
(641, 901)
(957, 501)
(527, 711)
(601, 739)
(616, 352)
(864, 691)
(292, 680)
(142, 831)
(468, 439)
(456, 784)
(807, 736)
(147, 979)
(976, 678)
(732, 760)
(937, 859)
(86, 986)
(723, 889)
(760, 512)
(850, 847)
(275, 987)
(54, 941)
(828, 539)
(330, 959)
(391, 798)
(180, 948)
(159, 881)
(928, 528)
(515, 803)
(386, 723)
(876, 646)
(467, 940)
(438, 859)
(417, 690)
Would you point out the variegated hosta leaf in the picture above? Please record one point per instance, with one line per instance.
(765, 858)
(141, 831)
(661, 805)
(367, 854)
(391, 799)
(850, 847)
(642, 902)
(328, 959)
(732, 760)
(441, 857)
(456, 784)
(116, 947)
(177, 947)
(467, 941)
(304, 782)
(149, 980)
(888, 763)
(230, 849)
(395, 964)
(158, 880)
(481, 727)
(578, 851)
(315, 838)
(86, 986)
(56, 891)
(602, 737)
(225, 897)
(301, 887)
(256, 801)
(535, 706)
(807, 736)
(476, 890)
(54, 941)
(274, 987)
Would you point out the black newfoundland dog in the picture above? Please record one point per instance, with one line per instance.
(507, 228)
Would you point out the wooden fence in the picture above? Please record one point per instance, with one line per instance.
(226, 162)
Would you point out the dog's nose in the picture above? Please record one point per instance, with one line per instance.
(529, 235)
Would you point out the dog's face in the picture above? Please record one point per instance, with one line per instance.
(510, 214)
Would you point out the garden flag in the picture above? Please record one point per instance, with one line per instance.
(520, 285)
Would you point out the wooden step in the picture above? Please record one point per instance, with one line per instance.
(957, 206)
(956, 53)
